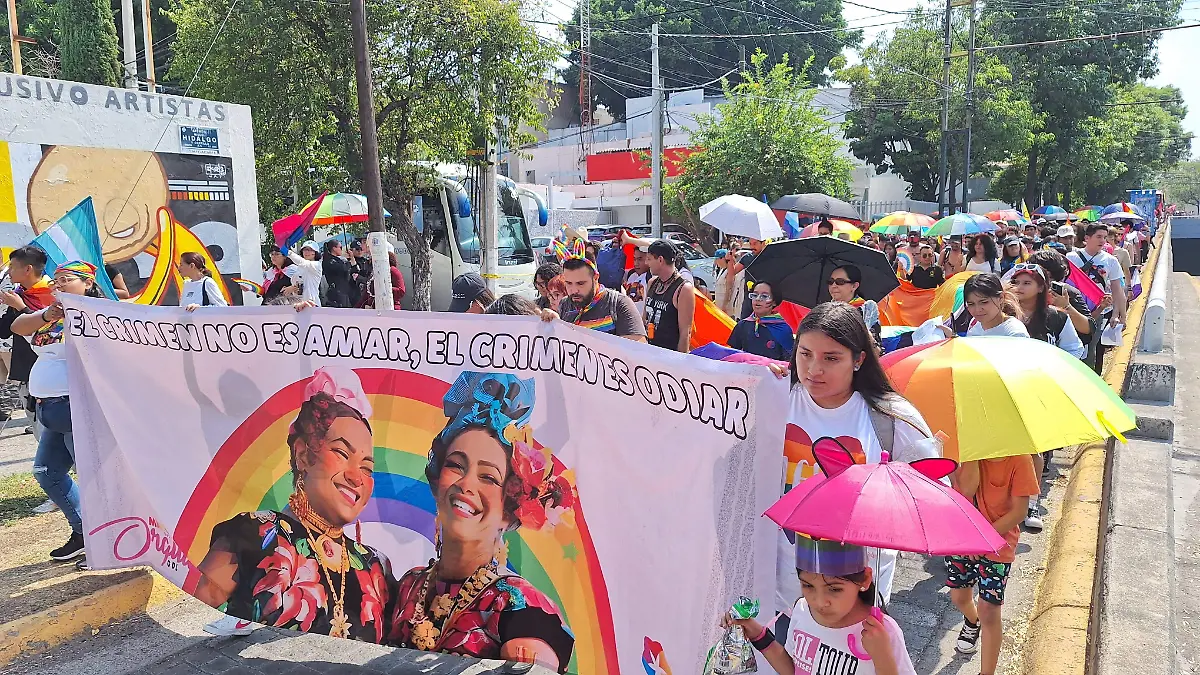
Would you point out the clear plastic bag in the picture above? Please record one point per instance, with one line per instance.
(733, 654)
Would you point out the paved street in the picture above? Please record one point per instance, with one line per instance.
(16, 447)
(1185, 471)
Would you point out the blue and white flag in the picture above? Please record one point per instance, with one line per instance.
(76, 236)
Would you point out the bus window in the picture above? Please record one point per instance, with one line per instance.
(512, 234)
(434, 217)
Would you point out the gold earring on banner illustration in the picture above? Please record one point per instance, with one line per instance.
(358, 531)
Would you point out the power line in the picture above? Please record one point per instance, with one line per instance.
(1088, 38)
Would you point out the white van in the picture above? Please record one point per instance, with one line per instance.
(447, 212)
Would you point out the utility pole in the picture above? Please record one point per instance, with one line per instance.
(148, 39)
(14, 36)
(129, 44)
(488, 211)
(970, 101)
(377, 242)
(943, 167)
(656, 142)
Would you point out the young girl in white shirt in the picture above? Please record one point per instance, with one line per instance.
(200, 290)
(835, 626)
(994, 311)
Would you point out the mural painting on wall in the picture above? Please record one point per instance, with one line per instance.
(150, 207)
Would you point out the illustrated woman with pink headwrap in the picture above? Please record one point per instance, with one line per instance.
(299, 568)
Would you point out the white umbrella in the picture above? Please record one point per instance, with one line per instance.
(1118, 216)
(742, 216)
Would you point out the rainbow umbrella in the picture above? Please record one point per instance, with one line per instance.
(1006, 216)
(949, 296)
(902, 222)
(839, 227)
(961, 223)
(339, 208)
(1001, 396)
(1091, 213)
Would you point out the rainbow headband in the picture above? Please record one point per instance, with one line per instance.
(80, 268)
(576, 251)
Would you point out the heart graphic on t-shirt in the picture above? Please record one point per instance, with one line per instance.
(797, 447)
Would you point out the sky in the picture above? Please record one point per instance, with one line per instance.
(1179, 52)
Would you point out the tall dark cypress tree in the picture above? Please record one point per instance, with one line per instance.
(88, 49)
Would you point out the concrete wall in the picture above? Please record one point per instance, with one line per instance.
(63, 141)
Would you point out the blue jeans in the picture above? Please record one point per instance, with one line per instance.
(55, 457)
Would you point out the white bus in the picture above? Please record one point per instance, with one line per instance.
(448, 214)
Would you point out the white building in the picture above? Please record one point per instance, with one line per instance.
(613, 179)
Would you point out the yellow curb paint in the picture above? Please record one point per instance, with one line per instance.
(1062, 605)
(53, 626)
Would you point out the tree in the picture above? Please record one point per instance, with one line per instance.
(896, 124)
(1182, 184)
(37, 20)
(620, 54)
(1069, 83)
(765, 139)
(440, 71)
(88, 49)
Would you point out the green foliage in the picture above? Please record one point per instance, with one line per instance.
(896, 125)
(441, 69)
(767, 138)
(621, 42)
(1182, 184)
(88, 48)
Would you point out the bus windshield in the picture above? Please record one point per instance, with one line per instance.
(512, 232)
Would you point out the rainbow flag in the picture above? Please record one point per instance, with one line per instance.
(291, 230)
(1092, 293)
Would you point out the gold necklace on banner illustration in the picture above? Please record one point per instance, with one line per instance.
(426, 632)
(322, 544)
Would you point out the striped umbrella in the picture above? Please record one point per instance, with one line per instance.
(961, 223)
(902, 222)
(1002, 396)
(1051, 212)
(839, 227)
(1011, 216)
(339, 207)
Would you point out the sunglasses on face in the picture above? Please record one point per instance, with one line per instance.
(838, 282)
(764, 297)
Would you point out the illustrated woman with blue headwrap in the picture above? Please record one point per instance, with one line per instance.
(487, 478)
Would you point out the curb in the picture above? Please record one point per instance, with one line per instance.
(1059, 626)
(55, 625)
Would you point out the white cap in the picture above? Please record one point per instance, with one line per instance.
(1066, 231)
(311, 244)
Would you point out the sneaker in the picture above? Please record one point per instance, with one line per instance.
(70, 550)
(82, 565)
(229, 625)
(1033, 521)
(968, 638)
(47, 506)
(1047, 456)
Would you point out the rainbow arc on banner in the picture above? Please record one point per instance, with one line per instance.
(251, 472)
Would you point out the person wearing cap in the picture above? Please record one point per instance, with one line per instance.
(637, 279)
(307, 273)
(49, 387)
(833, 629)
(1104, 269)
(1066, 236)
(1011, 253)
(470, 294)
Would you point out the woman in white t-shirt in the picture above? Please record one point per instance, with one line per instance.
(833, 628)
(839, 390)
(993, 310)
(48, 387)
(307, 272)
(199, 289)
(983, 254)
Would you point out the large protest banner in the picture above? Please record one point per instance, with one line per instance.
(449, 482)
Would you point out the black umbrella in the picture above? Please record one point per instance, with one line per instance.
(818, 205)
(800, 268)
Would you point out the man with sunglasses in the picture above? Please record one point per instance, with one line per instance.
(925, 274)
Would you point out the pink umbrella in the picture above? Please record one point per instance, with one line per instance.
(890, 505)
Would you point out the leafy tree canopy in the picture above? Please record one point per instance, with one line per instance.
(620, 54)
(767, 138)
